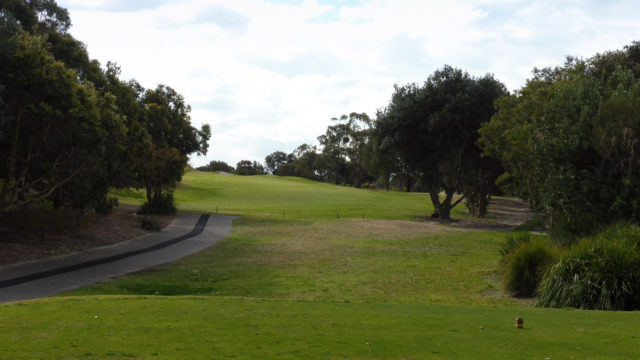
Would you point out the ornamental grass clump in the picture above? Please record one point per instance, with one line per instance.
(599, 273)
(525, 261)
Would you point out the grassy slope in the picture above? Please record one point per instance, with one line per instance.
(268, 196)
(312, 286)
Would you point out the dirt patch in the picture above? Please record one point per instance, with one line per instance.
(504, 215)
(39, 239)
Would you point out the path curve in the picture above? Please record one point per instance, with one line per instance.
(187, 234)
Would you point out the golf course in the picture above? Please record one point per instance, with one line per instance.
(313, 270)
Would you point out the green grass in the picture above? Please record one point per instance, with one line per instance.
(332, 260)
(311, 285)
(532, 225)
(230, 328)
(269, 196)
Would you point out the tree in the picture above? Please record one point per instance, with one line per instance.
(381, 161)
(276, 159)
(568, 140)
(70, 131)
(433, 130)
(59, 134)
(247, 167)
(36, 16)
(343, 147)
(217, 166)
(168, 123)
(302, 162)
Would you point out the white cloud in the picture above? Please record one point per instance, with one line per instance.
(269, 76)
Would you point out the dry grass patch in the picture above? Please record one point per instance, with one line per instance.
(299, 241)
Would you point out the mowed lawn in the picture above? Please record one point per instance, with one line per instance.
(273, 196)
(246, 328)
(313, 283)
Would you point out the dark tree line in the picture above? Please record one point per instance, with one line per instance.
(569, 141)
(341, 156)
(215, 166)
(70, 130)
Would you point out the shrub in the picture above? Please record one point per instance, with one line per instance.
(532, 225)
(162, 206)
(511, 242)
(526, 263)
(105, 205)
(150, 223)
(598, 273)
(624, 232)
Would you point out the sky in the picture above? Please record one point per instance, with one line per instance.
(269, 75)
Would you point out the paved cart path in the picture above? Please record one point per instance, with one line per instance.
(186, 235)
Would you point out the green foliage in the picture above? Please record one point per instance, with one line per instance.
(525, 261)
(64, 137)
(216, 166)
(624, 232)
(168, 123)
(433, 130)
(246, 167)
(305, 163)
(511, 242)
(601, 272)
(568, 141)
(276, 159)
(532, 225)
(345, 154)
(343, 146)
(105, 205)
(71, 131)
(150, 223)
(160, 205)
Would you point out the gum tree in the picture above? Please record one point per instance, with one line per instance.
(433, 130)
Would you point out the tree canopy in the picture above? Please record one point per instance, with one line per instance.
(70, 130)
(569, 141)
(433, 128)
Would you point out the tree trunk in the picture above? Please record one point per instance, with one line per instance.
(408, 181)
(483, 205)
(149, 191)
(443, 209)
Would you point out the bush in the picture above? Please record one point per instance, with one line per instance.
(525, 264)
(599, 273)
(150, 223)
(105, 205)
(162, 206)
(511, 242)
(624, 232)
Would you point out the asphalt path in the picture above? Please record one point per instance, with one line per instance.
(187, 234)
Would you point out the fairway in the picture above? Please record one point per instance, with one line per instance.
(323, 279)
(290, 197)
